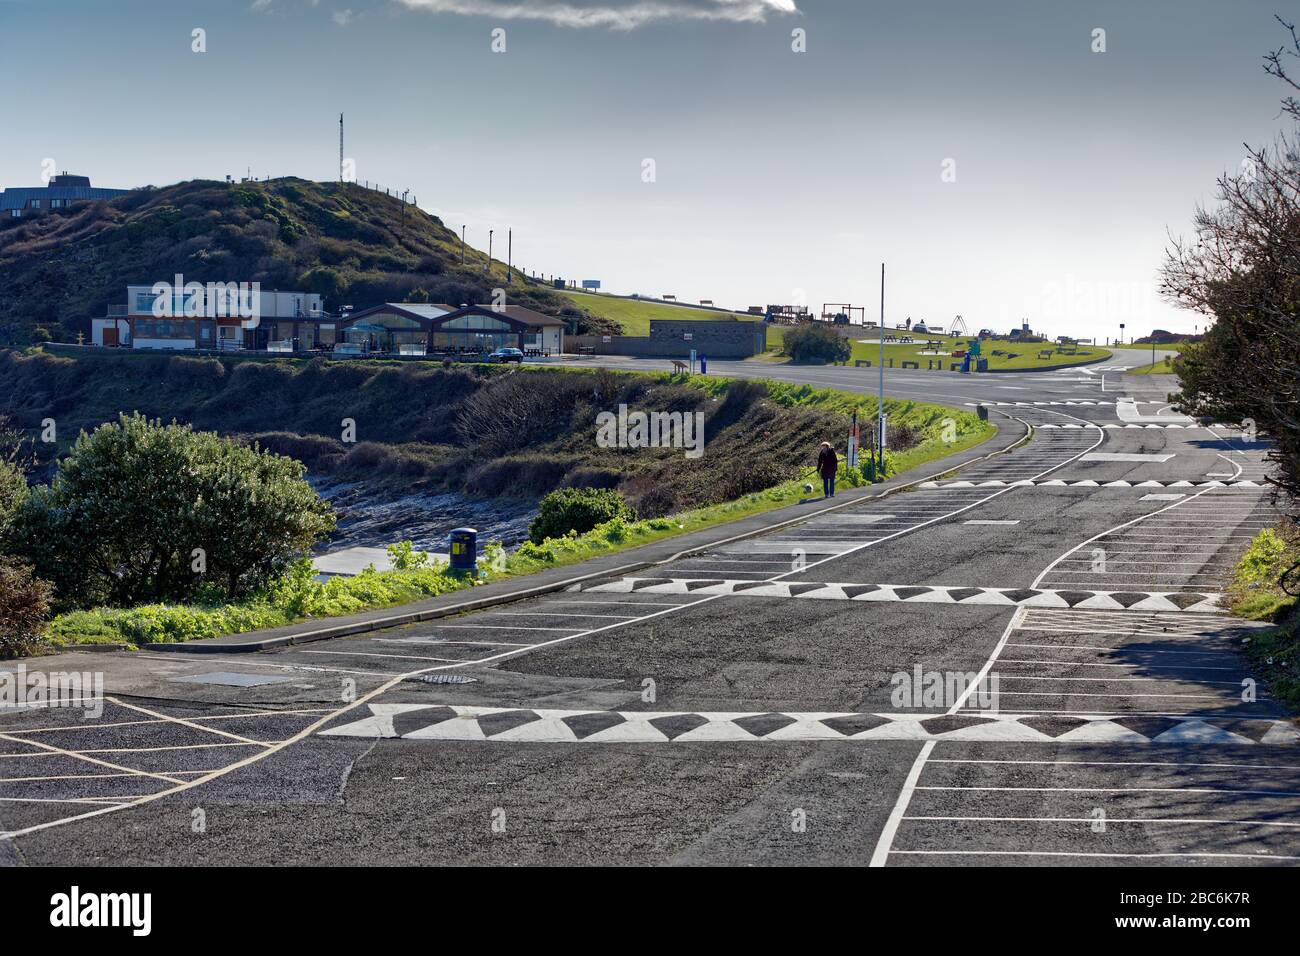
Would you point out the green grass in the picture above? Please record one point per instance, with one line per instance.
(299, 597)
(1016, 355)
(1255, 594)
(1159, 368)
(634, 315)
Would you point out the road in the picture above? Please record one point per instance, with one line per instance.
(1023, 661)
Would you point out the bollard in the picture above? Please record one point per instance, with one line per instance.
(464, 550)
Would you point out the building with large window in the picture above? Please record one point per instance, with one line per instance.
(446, 329)
(295, 322)
(19, 202)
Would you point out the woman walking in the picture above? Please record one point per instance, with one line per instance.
(827, 465)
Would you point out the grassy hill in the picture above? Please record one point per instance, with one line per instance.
(353, 245)
(634, 315)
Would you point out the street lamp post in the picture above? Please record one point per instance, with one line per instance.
(880, 401)
(462, 245)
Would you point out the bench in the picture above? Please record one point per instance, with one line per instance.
(859, 363)
(680, 366)
(915, 365)
(586, 350)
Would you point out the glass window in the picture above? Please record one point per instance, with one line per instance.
(166, 328)
(395, 322)
(477, 322)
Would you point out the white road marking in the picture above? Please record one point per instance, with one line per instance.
(395, 657)
(1109, 820)
(187, 723)
(1121, 456)
(85, 756)
(1097, 855)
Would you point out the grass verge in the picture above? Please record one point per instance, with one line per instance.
(1256, 594)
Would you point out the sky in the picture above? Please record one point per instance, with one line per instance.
(999, 163)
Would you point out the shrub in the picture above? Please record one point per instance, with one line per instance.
(13, 492)
(405, 558)
(816, 343)
(140, 512)
(24, 607)
(576, 510)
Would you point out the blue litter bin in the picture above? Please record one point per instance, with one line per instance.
(704, 365)
(464, 549)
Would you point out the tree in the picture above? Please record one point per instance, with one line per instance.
(141, 512)
(13, 480)
(816, 343)
(24, 607)
(1243, 269)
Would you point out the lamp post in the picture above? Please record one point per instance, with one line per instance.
(462, 245)
(880, 401)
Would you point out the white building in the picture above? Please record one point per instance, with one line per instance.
(214, 315)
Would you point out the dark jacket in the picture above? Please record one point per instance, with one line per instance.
(827, 463)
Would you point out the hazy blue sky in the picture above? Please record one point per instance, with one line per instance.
(777, 174)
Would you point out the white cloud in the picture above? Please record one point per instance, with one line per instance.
(261, 6)
(342, 17)
(612, 14)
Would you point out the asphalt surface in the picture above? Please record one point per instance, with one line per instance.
(1023, 662)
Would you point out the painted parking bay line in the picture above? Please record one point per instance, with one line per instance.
(992, 521)
(1123, 456)
(539, 725)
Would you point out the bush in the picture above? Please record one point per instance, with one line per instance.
(576, 510)
(24, 607)
(816, 343)
(13, 492)
(140, 513)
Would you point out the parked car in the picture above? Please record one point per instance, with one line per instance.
(506, 355)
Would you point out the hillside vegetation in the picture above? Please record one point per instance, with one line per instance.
(353, 245)
(487, 431)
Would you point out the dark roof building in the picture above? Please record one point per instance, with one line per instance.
(63, 190)
(469, 328)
